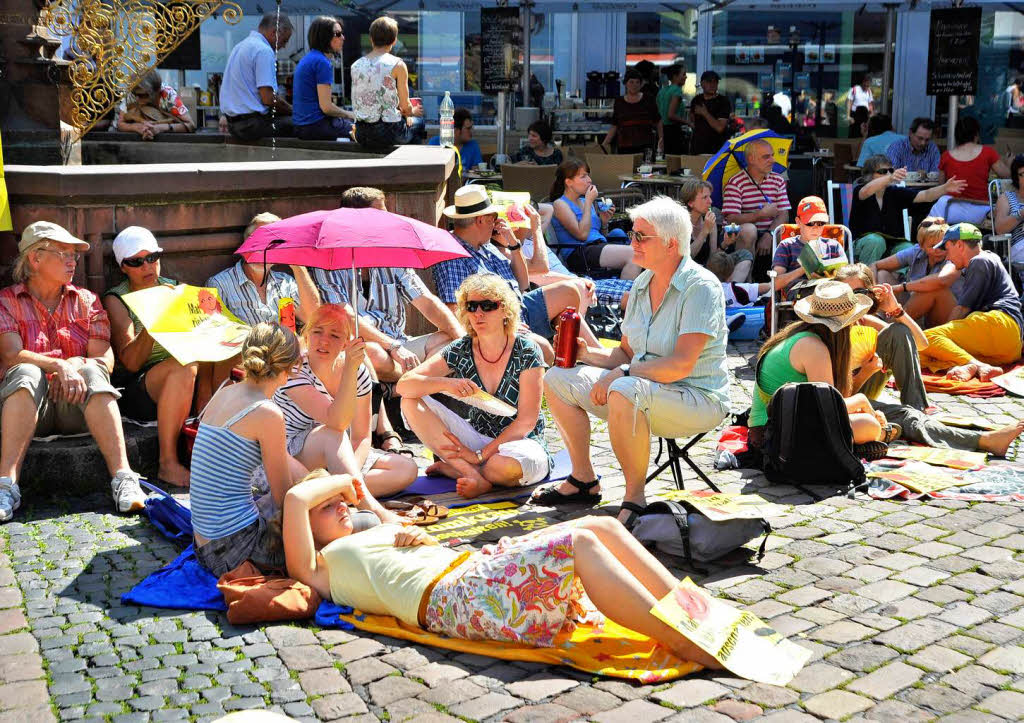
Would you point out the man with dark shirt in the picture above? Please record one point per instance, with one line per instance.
(985, 326)
(709, 114)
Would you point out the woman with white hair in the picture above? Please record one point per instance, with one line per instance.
(667, 378)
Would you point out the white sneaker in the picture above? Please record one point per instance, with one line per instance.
(128, 495)
(10, 498)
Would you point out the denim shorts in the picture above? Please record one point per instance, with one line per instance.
(535, 314)
(255, 542)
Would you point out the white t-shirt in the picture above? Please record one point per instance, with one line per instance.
(860, 97)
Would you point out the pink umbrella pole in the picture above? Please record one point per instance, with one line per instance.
(352, 296)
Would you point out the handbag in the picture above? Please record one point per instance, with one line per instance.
(253, 597)
(170, 517)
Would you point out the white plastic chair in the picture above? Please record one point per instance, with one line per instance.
(996, 188)
(776, 238)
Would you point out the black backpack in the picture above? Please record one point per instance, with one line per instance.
(808, 439)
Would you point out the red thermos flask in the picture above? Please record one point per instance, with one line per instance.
(566, 335)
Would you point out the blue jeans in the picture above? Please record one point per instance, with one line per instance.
(325, 129)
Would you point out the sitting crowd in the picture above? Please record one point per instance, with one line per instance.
(288, 461)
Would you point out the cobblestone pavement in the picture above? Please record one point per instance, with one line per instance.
(912, 611)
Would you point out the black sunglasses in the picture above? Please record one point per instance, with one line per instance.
(483, 305)
(815, 224)
(885, 170)
(339, 34)
(138, 261)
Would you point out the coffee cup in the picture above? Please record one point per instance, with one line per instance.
(481, 166)
(933, 175)
(687, 171)
(644, 169)
(913, 176)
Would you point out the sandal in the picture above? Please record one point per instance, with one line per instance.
(411, 514)
(431, 508)
(871, 451)
(550, 496)
(635, 511)
(379, 440)
(891, 432)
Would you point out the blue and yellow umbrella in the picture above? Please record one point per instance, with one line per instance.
(732, 159)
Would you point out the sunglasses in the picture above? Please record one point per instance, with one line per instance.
(339, 34)
(884, 170)
(139, 261)
(638, 237)
(483, 304)
(815, 224)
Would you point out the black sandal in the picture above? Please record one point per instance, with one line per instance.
(379, 440)
(635, 511)
(550, 496)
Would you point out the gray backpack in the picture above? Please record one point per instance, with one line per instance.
(675, 528)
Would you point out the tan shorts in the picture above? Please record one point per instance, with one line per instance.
(670, 411)
(56, 417)
(417, 345)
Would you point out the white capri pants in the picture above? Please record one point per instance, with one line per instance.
(529, 453)
(670, 411)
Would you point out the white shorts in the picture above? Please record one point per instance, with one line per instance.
(417, 345)
(530, 455)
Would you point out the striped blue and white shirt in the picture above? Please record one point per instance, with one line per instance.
(902, 155)
(243, 300)
(693, 304)
(296, 420)
(390, 290)
(219, 492)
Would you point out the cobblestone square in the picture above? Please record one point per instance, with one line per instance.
(912, 611)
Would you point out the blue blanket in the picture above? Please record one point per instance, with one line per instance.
(327, 616)
(182, 584)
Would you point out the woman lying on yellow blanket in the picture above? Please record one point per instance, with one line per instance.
(523, 590)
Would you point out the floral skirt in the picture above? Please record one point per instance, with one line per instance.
(521, 590)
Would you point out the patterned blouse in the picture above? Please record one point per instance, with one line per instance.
(525, 355)
(374, 90)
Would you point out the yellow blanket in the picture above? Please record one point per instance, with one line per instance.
(610, 650)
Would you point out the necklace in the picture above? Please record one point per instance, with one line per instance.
(480, 348)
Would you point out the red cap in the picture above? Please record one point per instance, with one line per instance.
(811, 209)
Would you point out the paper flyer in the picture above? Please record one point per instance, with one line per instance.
(955, 458)
(737, 639)
(510, 205)
(1012, 381)
(190, 322)
(5, 208)
(718, 506)
(487, 403)
(920, 477)
(952, 420)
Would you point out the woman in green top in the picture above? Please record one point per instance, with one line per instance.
(670, 101)
(156, 386)
(817, 349)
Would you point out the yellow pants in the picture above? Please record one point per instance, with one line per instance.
(992, 337)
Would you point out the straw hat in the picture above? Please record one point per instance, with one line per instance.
(470, 201)
(833, 304)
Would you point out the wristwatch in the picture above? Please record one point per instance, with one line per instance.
(480, 456)
(624, 368)
(514, 248)
(394, 346)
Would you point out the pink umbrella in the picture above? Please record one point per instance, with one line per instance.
(350, 238)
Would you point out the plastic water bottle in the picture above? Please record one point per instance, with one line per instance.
(447, 120)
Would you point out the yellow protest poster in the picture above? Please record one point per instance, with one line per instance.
(190, 322)
(5, 206)
(737, 639)
(920, 477)
(955, 458)
(510, 207)
(718, 506)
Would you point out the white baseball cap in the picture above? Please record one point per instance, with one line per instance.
(48, 231)
(133, 240)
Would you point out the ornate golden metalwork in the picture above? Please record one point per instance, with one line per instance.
(119, 41)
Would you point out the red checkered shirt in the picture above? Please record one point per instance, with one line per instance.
(66, 333)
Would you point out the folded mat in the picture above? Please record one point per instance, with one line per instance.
(936, 381)
(441, 490)
(609, 649)
(182, 584)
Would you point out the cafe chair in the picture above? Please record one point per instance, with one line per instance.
(606, 169)
(996, 188)
(781, 309)
(535, 180)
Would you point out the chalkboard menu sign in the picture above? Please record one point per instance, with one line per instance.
(500, 47)
(953, 51)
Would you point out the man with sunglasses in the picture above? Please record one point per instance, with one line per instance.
(879, 200)
(55, 362)
(811, 218)
(156, 387)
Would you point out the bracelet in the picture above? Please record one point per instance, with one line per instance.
(514, 248)
(904, 287)
(394, 346)
(892, 316)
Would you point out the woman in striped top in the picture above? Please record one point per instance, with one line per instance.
(240, 430)
(326, 406)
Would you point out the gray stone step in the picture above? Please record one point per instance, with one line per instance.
(75, 465)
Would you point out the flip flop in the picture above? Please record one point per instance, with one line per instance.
(411, 514)
(379, 440)
(431, 508)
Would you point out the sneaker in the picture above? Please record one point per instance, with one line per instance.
(10, 498)
(128, 495)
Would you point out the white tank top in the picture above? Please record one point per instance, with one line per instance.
(374, 90)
